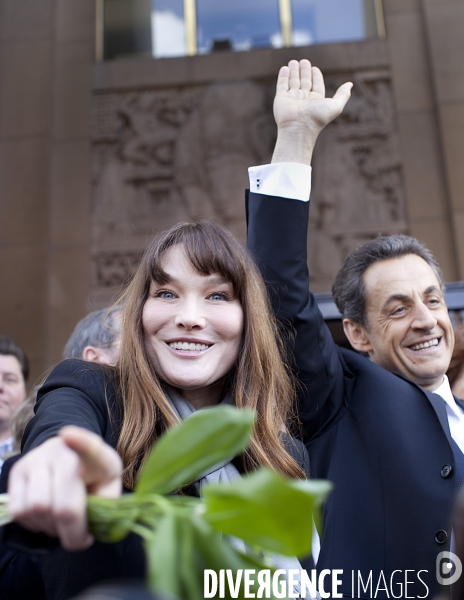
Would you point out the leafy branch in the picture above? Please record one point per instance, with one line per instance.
(183, 536)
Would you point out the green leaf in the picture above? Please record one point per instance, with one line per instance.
(267, 511)
(200, 442)
(111, 519)
(183, 546)
(162, 551)
(4, 512)
(216, 554)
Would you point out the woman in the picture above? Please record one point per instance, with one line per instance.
(196, 331)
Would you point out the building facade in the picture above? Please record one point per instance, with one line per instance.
(97, 156)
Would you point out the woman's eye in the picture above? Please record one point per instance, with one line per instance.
(218, 296)
(165, 295)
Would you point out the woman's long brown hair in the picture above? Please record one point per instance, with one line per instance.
(259, 380)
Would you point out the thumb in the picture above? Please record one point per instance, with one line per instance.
(101, 465)
(342, 95)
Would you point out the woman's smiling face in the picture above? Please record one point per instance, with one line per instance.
(193, 327)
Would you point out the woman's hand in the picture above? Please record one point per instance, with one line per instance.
(49, 485)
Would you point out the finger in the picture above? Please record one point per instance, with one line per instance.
(16, 490)
(282, 80)
(49, 495)
(38, 501)
(342, 95)
(294, 76)
(29, 495)
(70, 507)
(101, 465)
(18, 497)
(318, 81)
(306, 76)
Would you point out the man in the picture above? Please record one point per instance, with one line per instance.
(96, 337)
(14, 370)
(385, 429)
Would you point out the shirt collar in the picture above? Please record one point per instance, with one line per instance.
(444, 390)
(7, 445)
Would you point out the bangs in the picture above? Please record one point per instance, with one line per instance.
(209, 248)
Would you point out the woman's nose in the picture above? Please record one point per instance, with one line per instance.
(190, 315)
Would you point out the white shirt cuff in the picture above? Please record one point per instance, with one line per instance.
(287, 180)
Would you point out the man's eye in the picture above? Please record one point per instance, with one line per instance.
(398, 311)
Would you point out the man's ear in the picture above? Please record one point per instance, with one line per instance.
(357, 335)
(91, 353)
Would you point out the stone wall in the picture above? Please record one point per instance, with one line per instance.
(46, 54)
(166, 155)
(94, 158)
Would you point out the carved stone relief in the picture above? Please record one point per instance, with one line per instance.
(160, 157)
(357, 189)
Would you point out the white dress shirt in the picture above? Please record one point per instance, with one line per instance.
(287, 180)
(454, 412)
(6, 447)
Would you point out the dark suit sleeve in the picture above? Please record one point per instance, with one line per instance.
(75, 393)
(298, 452)
(277, 237)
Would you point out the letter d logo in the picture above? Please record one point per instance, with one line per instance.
(449, 568)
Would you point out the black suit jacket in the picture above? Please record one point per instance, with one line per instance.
(381, 439)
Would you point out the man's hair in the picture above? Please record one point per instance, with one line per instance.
(349, 290)
(99, 328)
(8, 347)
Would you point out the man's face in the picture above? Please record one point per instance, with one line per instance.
(410, 332)
(12, 387)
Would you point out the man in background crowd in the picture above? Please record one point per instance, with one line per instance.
(14, 370)
(96, 337)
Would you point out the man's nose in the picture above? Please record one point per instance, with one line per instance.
(424, 318)
(190, 315)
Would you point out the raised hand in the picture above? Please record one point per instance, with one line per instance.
(301, 110)
(49, 485)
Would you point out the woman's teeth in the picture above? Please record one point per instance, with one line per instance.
(188, 346)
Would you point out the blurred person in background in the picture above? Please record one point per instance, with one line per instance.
(96, 337)
(455, 371)
(14, 371)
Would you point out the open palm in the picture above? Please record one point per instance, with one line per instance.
(300, 100)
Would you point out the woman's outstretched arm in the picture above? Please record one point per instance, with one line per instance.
(49, 485)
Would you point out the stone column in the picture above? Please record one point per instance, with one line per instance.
(46, 53)
(444, 27)
(420, 136)
(70, 172)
